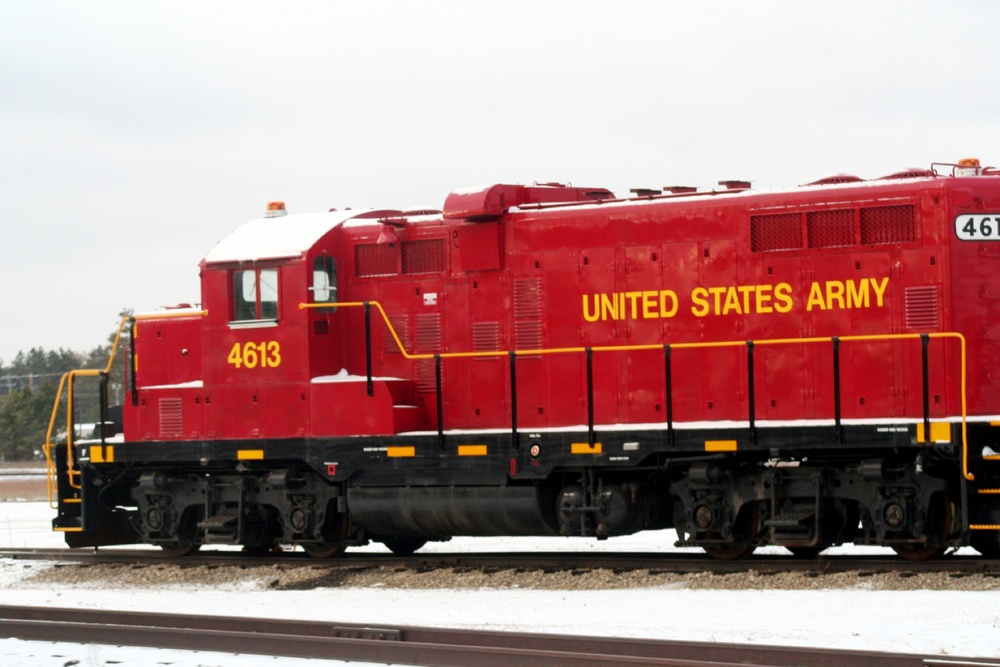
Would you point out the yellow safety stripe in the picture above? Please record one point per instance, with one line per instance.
(940, 432)
(720, 446)
(400, 452)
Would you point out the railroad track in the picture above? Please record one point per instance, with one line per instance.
(409, 645)
(680, 563)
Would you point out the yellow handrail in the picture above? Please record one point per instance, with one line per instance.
(695, 345)
(66, 383)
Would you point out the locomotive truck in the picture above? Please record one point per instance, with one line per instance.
(802, 367)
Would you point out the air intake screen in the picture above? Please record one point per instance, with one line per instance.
(888, 224)
(425, 256)
(781, 231)
(374, 259)
(828, 229)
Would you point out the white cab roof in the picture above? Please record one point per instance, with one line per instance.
(277, 238)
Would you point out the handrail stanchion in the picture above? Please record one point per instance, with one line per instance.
(440, 399)
(668, 372)
(368, 348)
(925, 380)
(104, 407)
(590, 395)
(515, 438)
(751, 395)
(836, 390)
(133, 366)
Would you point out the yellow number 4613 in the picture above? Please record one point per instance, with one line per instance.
(266, 354)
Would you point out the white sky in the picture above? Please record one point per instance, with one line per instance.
(136, 135)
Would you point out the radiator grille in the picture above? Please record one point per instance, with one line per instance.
(171, 417)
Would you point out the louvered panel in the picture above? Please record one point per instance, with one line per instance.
(528, 335)
(485, 337)
(428, 331)
(527, 298)
(427, 376)
(922, 308)
(171, 417)
(401, 325)
(428, 340)
(527, 314)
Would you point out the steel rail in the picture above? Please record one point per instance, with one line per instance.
(417, 645)
(678, 563)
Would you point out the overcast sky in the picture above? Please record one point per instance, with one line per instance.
(135, 135)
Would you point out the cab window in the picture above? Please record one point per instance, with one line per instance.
(324, 287)
(255, 294)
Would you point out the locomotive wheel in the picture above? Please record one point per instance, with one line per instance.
(403, 546)
(919, 551)
(942, 515)
(745, 530)
(324, 550)
(734, 552)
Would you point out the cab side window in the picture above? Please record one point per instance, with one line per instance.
(255, 295)
(324, 285)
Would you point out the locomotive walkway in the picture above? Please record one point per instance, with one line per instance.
(407, 645)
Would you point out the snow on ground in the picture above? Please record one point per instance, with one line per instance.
(952, 623)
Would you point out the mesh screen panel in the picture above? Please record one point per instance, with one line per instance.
(888, 224)
(424, 256)
(828, 229)
(779, 231)
(374, 259)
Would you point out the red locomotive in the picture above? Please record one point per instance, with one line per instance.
(799, 367)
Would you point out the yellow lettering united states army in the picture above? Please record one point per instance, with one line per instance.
(650, 304)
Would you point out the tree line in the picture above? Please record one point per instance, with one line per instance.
(28, 387)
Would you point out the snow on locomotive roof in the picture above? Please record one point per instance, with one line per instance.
(292, 235)
(277, 238)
